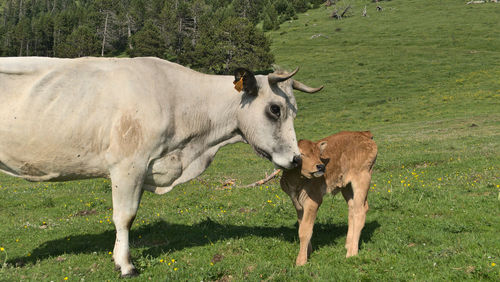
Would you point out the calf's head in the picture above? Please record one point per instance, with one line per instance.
(266, 113)
(310, 152)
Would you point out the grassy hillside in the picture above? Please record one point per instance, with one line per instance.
(422, 75)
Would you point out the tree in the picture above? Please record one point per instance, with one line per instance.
(81, 42)
(271, 21)
(285, 10)
(249, 9)
(43, 31)
(300, 5)
(147, 42)
(232, 43)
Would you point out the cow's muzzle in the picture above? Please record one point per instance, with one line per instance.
(296, 161)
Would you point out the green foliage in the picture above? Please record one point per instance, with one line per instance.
(285, 10)
(248, 9)
(271, 21)
(147, 42)
(231, 43)
(81, 42)
(300, 6)
(169, 29)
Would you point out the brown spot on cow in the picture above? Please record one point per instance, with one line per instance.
(129, 132)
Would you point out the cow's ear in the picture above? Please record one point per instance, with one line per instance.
(245, 80)
(322, 146)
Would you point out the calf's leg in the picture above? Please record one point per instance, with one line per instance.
(306, 224)
(348, 196)
(358, 206)
(126, 192)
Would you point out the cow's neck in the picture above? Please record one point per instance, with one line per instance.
(209, 116)
(203, 124)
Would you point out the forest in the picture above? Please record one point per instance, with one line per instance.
(212, 36)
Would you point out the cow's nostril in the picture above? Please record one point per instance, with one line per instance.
(320, 167)
(297, 161)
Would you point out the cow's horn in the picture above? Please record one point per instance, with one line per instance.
(275, 78)
(304, 88)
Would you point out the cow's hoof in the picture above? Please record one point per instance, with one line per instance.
(132, 273)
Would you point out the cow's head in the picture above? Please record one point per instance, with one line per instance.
(312, 165)
(266, 114)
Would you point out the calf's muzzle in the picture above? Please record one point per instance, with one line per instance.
(321, 167)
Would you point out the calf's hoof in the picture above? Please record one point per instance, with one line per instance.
(351, 254)
(300, 261)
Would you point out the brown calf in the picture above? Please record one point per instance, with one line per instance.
(340, 162)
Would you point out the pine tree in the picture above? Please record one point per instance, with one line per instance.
(232, 43)
(147, 42)
(81, 42)
(270, 18)
(249, 9)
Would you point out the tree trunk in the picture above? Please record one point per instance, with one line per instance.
(104, 34)
(20, 9)
(129, 34)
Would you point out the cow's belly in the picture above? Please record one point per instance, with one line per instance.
(33, 169)
(39, 159)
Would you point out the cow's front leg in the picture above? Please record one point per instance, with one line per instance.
(126, 181)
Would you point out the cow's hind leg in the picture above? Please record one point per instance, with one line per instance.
(126, 184)
(358, 206)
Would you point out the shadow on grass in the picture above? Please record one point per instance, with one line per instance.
(160, 237)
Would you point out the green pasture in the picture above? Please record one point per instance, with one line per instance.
(422, 75)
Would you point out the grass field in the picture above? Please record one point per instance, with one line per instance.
(422, 75)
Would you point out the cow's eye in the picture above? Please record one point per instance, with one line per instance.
(275, 110)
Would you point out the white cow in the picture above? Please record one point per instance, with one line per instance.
(145, 123)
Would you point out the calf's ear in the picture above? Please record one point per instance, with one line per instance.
(244, 80)
(322, 146)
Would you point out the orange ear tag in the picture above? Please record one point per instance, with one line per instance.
(238, 85)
